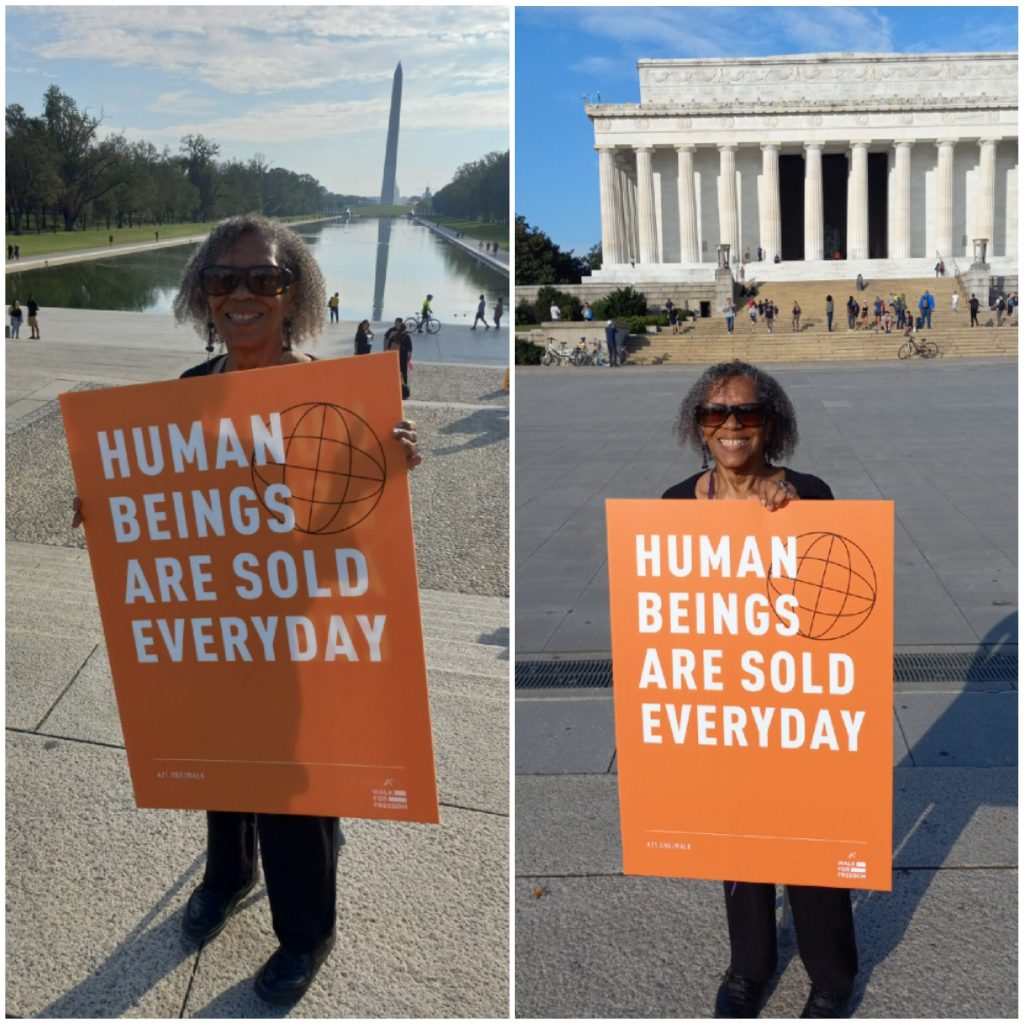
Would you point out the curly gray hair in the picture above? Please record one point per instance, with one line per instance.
(307, 313)
(782, 435)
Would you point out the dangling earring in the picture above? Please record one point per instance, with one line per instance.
(288, 335)
(707, 452)
(211, 335)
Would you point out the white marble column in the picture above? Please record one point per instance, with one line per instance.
(771, 209)
(814, 208)
(689, 251)
(610, 245)
(899, 243)
(985, 219)
(728, 217)
(944, 201)
(624, 212)
(647, 227)
(857, 203)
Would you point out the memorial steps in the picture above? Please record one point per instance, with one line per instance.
(709, 342)
(706, 340)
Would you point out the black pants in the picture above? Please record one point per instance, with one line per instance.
(300, 862)
(824, 932)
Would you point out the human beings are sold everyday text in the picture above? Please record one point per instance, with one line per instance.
(818, 679)
(276, 576)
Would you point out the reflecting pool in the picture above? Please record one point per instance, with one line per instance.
(382, 270)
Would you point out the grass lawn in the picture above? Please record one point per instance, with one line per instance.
(48, 243)
(485, 232)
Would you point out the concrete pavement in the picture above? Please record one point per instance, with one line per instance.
(95, 887)
(943, 943)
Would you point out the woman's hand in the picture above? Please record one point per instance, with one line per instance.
(405, 432)
(774, 493)
(76, 519)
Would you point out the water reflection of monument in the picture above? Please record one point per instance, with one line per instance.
(387, 196)
(381, 272)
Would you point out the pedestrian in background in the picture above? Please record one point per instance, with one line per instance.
(926, 304)
(499, 312)
(975, 306)
(730, 316)
(829, 310)
(397, 339)
(14, 312)
(796, 315)
(333, 303)
(852, 309)
(609, 338)
(480, 314)
(364, 338)
(33, 316)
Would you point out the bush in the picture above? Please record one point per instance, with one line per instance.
(620, 305)
(639, 324)
(527, 354)
(526, 314)
(567, 304)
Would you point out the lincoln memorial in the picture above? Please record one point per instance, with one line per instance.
(812, 166)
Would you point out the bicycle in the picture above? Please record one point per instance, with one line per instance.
(556, 356)
(415, 322)
(924, 349)
(581, 356)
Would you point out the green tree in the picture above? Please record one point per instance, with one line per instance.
(540, 261)
(85, 166)
(594, 258)
(32, 180)
(199, 153)
(479, 191)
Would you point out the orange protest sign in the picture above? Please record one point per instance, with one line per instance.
(752, 657)
(251, 543)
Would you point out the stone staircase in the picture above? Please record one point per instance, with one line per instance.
(707, 340)
(53, 628)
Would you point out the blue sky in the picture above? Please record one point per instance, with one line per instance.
(309, 87)
(564, 53)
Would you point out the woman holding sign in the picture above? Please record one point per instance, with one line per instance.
(254, 287)
(743, 422)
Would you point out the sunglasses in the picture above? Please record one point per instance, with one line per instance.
(216, 280)
(753, 414)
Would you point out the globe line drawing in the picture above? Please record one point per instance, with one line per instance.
(334, 468)
(835, 586)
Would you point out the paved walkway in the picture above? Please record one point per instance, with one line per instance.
(95, 888)
(591, 942)
(495, 259)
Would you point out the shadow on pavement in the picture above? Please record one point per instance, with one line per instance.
(136, 965)
(489, 427)
(926, 825)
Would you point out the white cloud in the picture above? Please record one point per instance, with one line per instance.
(838, 29)
(290, 47)
(326, 119)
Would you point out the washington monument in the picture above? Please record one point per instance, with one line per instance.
(387, 188)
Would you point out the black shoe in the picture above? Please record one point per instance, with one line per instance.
(822, 1003)
(284, 978)
(208, 911)
(738, 996)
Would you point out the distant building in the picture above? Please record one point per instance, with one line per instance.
(896, 157)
